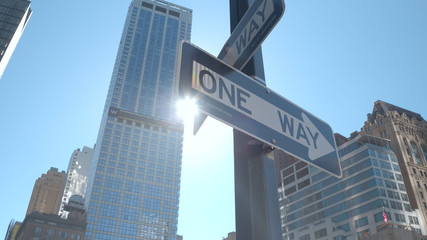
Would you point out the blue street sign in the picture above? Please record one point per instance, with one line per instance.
(234, 98)
(253, 28)
(247, 37)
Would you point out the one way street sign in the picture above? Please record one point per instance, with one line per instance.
(247, 37)
(230, 96)
(251, 31)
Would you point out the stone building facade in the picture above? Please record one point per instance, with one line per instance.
(47, 192)
(408, 134)
(44, 226)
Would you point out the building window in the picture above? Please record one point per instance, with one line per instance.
(399, 217)
(288, 180)
(75, 236)
(421, 195)
(147, 5)
(416, 153)
(300, 165)
(413, 220)
(62, 235)
(418, 184)
(305, 237)
(404, 197)
(287, 171)
(302, 173)
(423, 148)
(173, 13)
(361, 222)
(37, 231)
(50, 234)
(290, 190)
(303, 184)
(379, 216)
(160, 9)
(345, 227)
(321, 233)
(396, 205)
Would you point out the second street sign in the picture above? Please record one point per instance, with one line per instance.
(251, 31)
(234, 98)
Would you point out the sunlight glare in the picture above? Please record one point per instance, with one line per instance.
(186, 110)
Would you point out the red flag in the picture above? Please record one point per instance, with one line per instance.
(385, 217)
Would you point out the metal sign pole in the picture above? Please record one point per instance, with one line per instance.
(256, 196)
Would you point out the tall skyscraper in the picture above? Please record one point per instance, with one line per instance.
(77, 176)
(133, 191)
(14, 15)
(316, 205)
(47, 193)
(408, 134)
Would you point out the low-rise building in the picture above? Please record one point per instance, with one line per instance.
(51, 226)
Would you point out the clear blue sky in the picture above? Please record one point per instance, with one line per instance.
(333, 58)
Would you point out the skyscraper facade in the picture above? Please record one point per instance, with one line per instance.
(407, 131)
(14, 15)
(134, 185)
(77, 176)
(47, 193)
(316, 205)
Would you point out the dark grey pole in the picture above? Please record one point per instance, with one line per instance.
(256, 196)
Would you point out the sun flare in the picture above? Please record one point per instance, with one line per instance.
(186, 110)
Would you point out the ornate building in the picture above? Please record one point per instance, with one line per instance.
(408, 134)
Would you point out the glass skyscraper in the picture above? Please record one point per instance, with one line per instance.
(14, 16)
(133, 191)
(316, 205)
